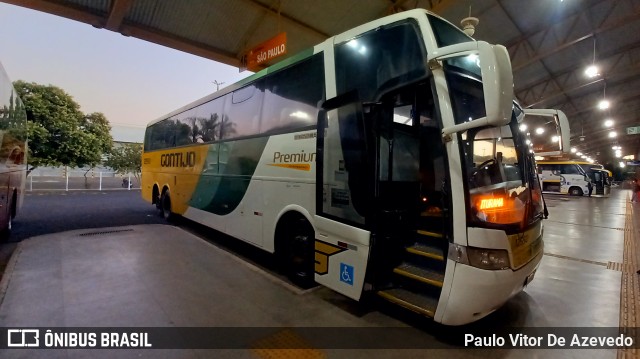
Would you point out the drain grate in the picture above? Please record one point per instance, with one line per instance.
(105, 232)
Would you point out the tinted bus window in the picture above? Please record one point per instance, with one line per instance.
(208, 121)
(161, 135)
(380, 59)
(184, 123)
(243, 114)
(570, 170)
(445, 33)
(293, 96)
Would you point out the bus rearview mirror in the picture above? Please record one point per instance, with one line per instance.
(562, 129)
(497, 82)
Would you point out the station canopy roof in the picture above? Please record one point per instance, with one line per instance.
(551, 43)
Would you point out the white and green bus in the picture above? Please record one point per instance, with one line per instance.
(13, 166)
(563, 177)
(386, 160)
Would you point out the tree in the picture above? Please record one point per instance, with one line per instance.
(59, 133)
(126, 159)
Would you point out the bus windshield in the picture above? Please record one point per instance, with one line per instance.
(497, 164)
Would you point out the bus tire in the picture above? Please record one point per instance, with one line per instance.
(5, 233)
(156, 199)
(576, 191)
(165, 206)
(298, 251)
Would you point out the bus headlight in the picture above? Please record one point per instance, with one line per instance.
(483, 258)
(491, 259)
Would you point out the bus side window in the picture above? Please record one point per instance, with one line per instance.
(242, 117)
(292, 96)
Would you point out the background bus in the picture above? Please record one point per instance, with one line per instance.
(13, 167)
(600, 177)
(564, 177)
(586, 166)
(411, 181)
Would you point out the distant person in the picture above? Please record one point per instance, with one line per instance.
(590, 187)
(635, 191)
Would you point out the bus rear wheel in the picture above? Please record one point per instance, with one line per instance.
(575, 191)
(165, 206)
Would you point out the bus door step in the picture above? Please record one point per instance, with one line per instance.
(418, 303)
(426, 250)
(420, 274)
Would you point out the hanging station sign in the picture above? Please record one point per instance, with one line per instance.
(634, 130)
(268, 50)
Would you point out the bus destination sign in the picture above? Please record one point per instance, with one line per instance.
(268, 50)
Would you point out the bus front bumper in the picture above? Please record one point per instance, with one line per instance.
(476, 293)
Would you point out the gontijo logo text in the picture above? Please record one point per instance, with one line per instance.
(178, 159)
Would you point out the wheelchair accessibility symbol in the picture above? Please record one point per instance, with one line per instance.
(346, 273)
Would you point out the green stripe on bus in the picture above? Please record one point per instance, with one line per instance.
(226, 175)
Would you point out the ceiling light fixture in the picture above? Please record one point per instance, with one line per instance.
(469, 24)
(612, 134)
(573, 150)
(608, 122)
(539, 130)
(592, 70)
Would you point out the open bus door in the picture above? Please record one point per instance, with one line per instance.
(343, 195)
(601, 181)
(560, 126)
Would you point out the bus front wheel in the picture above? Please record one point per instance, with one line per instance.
(575, 191)
(299, 252)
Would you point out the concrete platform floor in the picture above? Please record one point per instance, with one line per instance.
(164, 276)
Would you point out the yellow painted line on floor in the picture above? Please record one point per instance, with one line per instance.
(630, 288)
(285, 344)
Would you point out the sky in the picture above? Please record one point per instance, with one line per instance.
(131, 81)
